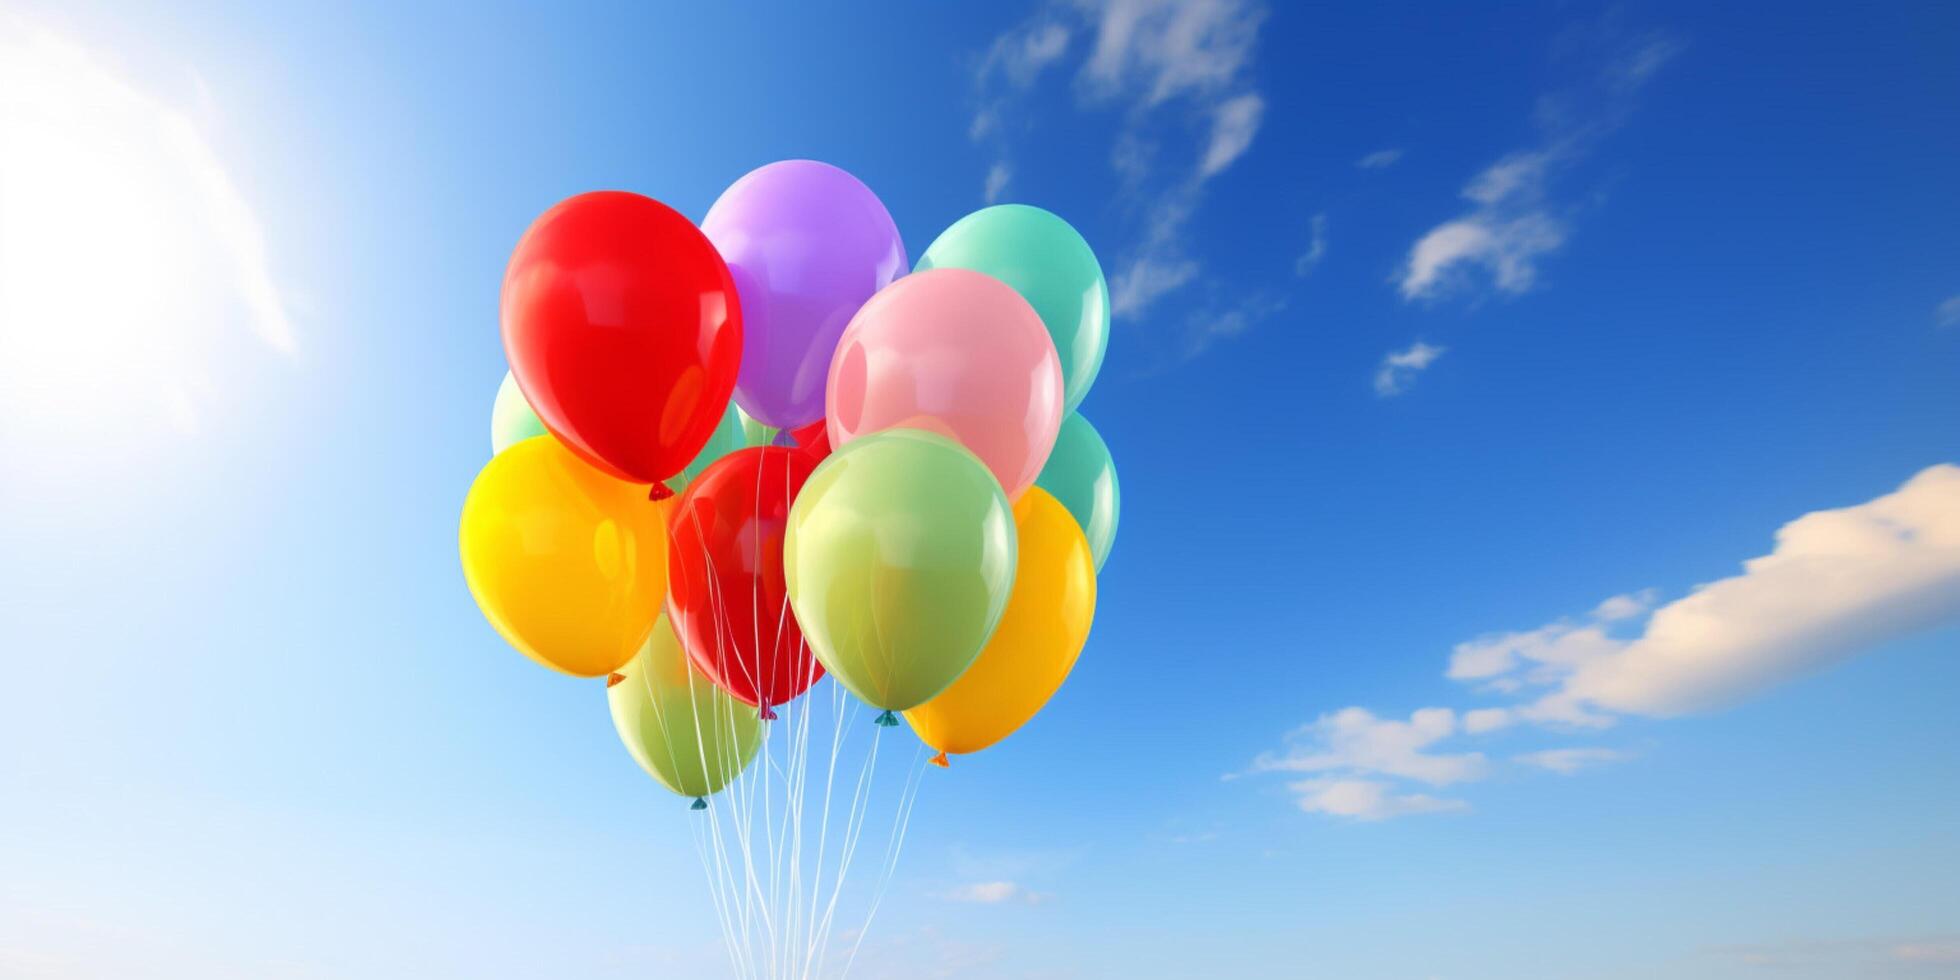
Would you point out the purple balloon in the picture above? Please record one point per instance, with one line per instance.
(807, 244)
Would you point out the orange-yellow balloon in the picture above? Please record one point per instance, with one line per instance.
(1035, 646)
(568, 563)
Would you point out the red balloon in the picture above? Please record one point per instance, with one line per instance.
(623, 331)
(726, 594)
(813, 439)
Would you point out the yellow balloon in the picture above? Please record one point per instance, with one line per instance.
(568, 563)
(1035, 646)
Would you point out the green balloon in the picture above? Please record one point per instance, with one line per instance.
(899, 557)
(511, 420)
(683, 730)
(1081, 475)
(1051, 266)
(729, 436)
(755, 432)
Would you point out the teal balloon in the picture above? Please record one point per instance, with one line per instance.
(1051, 266)
(1081, 474)
(728, 436)
(684, 731)
(511, 419)
(899, 557)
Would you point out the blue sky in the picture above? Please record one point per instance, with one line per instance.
(1454, 350)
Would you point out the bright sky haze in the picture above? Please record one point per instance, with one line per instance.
(1539, 432)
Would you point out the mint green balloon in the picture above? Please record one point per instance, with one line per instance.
(755, 433)
(1081, 475)
(511, 419)
(1051, 266)
(899, 558)
(683, 730)
(729, 435)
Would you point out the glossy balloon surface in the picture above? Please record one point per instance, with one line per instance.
(726, 593)
(624, 332)
(511, 418)
(1082, 475)
(1047, 261)
(807, 244)
(688, 734)
(568, 563)
(958, 353)
(1036, 644)
(899, 560)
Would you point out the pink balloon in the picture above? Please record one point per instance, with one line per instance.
(955, 352)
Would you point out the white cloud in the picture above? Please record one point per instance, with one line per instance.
(1020, 56)
(1316, 247)
(1399, 368)
(1366, 799)
(1234, 122)
(1507, 248)
(1146, 278)
(1164, 49)
(1379, 160)
(1354, 740)
(996, 893)
(1947, 314)
(1143, 56)
(997, 177)
(1554, 647)
(1567, 761)
(1636, 66)
(1838, 583)
(1208, 326)
(1515, 222)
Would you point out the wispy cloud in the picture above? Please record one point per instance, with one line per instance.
(1878, 957)
(1379, 160)
(1567, 761)
(1516, 221)
(997, 177)
(1234, 122)
(1367, 800)
(1399, 368)
(1838, 583)
(1180, 75)
(997, 893)
(1947, 314)
(1316, 246)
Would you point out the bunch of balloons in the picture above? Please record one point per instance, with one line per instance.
(733, 458)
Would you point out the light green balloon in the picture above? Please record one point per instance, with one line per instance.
(683, 730)
(511, 420)
(1081, 474)
(729, 436)
(755, 432)
(899, 558)
(1051, 266)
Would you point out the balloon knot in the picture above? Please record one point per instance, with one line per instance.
(766, 713)
(940, 761)
(699, 804)
(888, 720)
(659, 491)
(612, 680)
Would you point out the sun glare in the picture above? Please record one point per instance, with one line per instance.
(126, 255)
